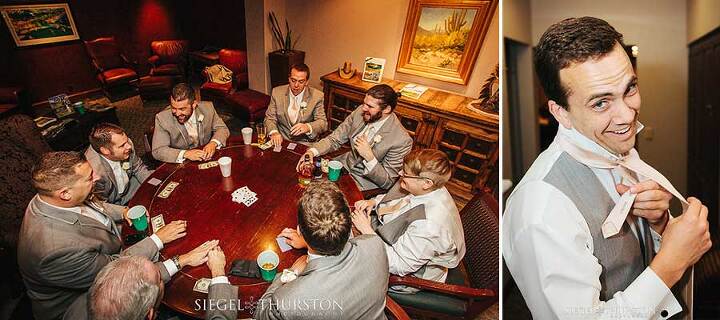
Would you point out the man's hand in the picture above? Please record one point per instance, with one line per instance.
(294, 238)
(127, 218)
(195, 155)
(302, 158)
(300, 264)
(362, 147)
(171, 231)
(652, 203)
(198, 255)
(276, 138)
(216, 262)
(362, 222)
(365, 206)
(209, 150)
(685, 240)
(300, 128)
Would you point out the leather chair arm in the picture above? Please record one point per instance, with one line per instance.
(153, 60)
(451, 289)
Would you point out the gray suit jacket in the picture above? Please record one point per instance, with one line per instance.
(170, 137)
(351, 285)
(276, 116)
(390, 151)
(60, 252)
(218, 293)
(106, 187)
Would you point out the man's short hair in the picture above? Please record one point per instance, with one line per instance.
(124, 289)
(182, 91)
(386, 94)
(573, 40)
(324, 218)
(101, 135)
(56, 170)
(301, 67)
(428, 163)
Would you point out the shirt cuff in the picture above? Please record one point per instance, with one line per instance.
(369, 165)
(219, 280)
(181, 156)
(219, 144)
(157, 241)
(653, 294)
(170, 267)
(311, 129)
(271, 132)
(315, 152)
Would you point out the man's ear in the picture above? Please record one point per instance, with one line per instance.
(105, 151)
(387, 110)
(65, 194)
(428, 184)
(560, 113)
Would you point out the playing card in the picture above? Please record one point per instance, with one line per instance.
(277, 148)
(291, 146)
(154, 181)
(249, 201)
(282, 244)
(202, 285)
(157, 222)
(207, 165)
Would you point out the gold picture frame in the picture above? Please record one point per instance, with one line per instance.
(39, 23)
(442, 38)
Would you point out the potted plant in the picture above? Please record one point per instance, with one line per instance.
(282, 59)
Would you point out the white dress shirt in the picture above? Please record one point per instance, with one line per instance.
(548, 248)
(191, 125)
(436, 242)
(294, 105)
(121, 176)
(370, 130)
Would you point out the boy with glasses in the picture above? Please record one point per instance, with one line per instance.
(417, 219)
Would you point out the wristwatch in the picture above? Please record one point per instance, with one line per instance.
(176, 260)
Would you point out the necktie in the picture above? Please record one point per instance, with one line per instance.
(192, 132)
(395, 207)
(122, 177)
(294, 109)
(626, 165)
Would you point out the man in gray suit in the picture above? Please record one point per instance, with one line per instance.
(132, 288)
(339, 278)
(296, 111)
(113, 159)
(67, 236)
(379, 142)
(188, 129)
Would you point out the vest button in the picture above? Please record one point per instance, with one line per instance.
(664, 313)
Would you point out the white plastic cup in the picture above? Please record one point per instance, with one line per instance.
(247, 135)
(225, 166)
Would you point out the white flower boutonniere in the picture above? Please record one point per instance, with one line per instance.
(377, 139)
(200, 117)
(303, 105)
(126, 165)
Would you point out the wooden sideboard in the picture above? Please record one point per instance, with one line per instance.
(438, 120)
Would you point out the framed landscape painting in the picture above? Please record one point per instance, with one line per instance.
(442, 38)
(39, 24)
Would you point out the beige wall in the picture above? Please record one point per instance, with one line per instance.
(335, 31)
(703, 16)
(516, 20)
(659, 28)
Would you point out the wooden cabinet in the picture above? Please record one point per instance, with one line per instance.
(438, 120)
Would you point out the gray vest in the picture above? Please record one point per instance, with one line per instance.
(622, 257)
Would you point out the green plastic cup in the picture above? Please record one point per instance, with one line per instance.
(138, 215)
(334, 168)
(268, 262)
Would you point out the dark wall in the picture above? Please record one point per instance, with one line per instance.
(50, 69)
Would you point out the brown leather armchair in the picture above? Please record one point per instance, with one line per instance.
(243, 102)
(15, 100)
(169, 59)
(473, 286)
(114, 70)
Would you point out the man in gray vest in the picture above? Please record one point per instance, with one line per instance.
(565, 258)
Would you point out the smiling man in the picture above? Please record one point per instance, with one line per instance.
(112, 156)
(377, 139)
(188, 129)
(567, 261)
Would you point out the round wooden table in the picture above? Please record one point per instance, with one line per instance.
(203, 198)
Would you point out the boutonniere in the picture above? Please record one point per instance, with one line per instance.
(126, 165)
(201, 117)
(377, 138)
(303, 105)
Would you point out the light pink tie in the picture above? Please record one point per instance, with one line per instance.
(628, 164)
(293, 109)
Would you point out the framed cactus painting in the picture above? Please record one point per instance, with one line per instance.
(442, 38)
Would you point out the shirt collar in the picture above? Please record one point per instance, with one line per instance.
(421, 199)
(378, 124)
(312, 256)
(299, 96)
(193, 117)
(77, 210)
(112, 163)
(588, 144)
